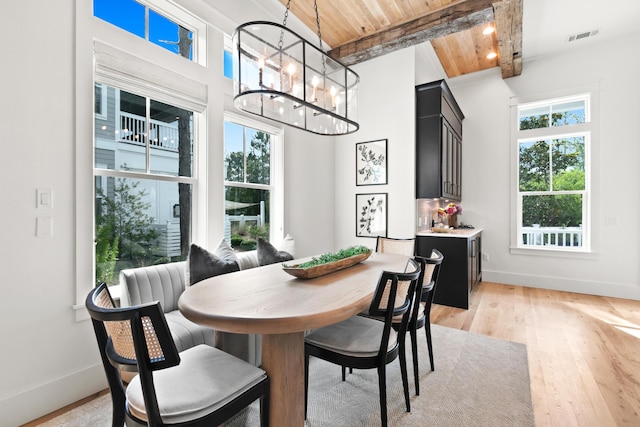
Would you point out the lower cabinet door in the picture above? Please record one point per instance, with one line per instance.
(454, 281)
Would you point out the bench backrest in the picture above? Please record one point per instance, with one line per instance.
(162, 282)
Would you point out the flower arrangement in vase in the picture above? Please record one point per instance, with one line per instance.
(452, 210)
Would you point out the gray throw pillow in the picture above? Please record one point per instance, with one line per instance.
(203, 264)
(268, 254)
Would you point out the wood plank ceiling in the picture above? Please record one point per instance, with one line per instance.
(358, 30)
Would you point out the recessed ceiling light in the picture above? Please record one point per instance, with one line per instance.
(492, 55)
(490, 29)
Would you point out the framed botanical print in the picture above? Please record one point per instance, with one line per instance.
(371, 162)
(371, 215)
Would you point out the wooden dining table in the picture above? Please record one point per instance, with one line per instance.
(268, 301)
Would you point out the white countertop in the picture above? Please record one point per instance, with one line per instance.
(464, 233)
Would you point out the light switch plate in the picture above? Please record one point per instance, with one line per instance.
(43, 198)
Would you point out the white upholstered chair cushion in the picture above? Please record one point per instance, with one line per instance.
(357, 336)
(191, 389)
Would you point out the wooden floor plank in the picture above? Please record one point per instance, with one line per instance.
(584, 350)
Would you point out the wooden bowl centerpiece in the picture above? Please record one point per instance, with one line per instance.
(328, 263)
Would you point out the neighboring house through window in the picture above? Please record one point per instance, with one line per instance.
(145, 145)
(144, 152)
(100, 101)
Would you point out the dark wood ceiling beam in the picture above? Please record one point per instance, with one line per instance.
(508, 14)
(447, 20)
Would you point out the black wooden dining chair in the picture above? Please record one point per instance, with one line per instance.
(201, 386)
(421, 315)
(421, 310)
(365, 342)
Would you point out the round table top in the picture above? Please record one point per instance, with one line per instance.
(267, 300)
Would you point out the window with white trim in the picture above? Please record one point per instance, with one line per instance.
(553, 200)
(251, 185)
(144, 177)
(146, 133)
(138, 18)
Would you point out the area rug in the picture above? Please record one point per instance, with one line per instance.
(478, 381)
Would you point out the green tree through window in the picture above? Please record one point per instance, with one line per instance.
(248, 177)
(552, 169)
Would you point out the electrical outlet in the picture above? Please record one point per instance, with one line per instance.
(44, 226)
(485, 256)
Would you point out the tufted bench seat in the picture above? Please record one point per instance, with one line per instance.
(166, 282)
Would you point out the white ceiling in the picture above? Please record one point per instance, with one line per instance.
(547, 23)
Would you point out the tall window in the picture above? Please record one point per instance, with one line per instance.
(553, 141)
(145, 133)
(143, 183)
(249, 183)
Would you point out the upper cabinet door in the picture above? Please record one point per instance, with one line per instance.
(438, 143)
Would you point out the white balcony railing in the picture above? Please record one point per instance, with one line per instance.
(552, 236)
(161, 135)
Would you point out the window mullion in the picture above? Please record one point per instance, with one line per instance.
(148, 134)
(146, 23)
(244, 155)
(550, 165)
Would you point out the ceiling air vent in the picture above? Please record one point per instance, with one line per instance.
(583, 35)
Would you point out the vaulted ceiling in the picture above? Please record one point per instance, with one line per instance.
(358, 30)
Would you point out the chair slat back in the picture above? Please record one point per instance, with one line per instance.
(402, 289)
(390, 245)
(395, 290)
(427, 282)
(405, 247)
(160, 348)
(397, 304)
(431, 268)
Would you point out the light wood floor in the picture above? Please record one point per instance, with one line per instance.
(584, 351)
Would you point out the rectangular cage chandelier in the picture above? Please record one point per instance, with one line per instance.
(281, 76)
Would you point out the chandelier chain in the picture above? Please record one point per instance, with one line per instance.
(284, 24)
(315, 6)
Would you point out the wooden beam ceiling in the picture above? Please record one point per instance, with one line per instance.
(450, 19)
(359, 30)
(508, 15)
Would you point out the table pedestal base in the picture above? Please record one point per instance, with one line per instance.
(283, 360)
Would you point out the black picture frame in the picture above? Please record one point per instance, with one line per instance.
(371, 162)
(371, 215)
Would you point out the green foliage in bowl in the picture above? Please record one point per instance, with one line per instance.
(331, 256)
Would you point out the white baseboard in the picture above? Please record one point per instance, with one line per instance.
(606, 289)
(35, 403)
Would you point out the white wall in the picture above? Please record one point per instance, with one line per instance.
(43, 348)
(48, 358)
(485, 98)
(385, 110)
(309, 195)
